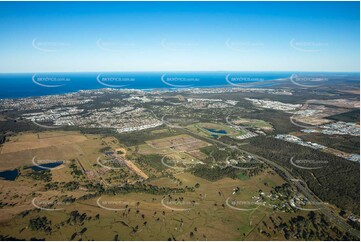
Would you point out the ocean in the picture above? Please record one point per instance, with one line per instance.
(30, 85)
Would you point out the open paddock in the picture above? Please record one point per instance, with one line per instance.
(182, 143)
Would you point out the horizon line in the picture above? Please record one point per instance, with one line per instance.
(174, 71)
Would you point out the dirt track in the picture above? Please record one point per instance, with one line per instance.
(131, 166)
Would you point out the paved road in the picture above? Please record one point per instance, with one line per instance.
(300, 184)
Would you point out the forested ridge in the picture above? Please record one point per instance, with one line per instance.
(337, 182)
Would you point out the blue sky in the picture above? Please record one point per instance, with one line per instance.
(179, 36)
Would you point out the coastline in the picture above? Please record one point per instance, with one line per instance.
(15, 86)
